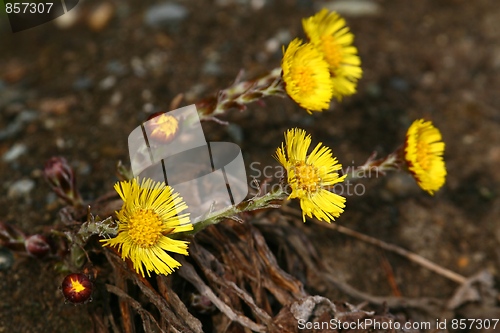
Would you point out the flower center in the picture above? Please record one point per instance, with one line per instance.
(145, 228)
(76, 286)
(307, 177)
(423, 155)
(303, 77)
(332, 51)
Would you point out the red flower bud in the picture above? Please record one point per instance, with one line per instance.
(11, 237)
(61, 179)
(77, 288)
(38, 246)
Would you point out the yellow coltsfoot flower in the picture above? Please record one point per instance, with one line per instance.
(310, 176)
(328, 32)
(423, 153)
(150, 213)
(306, 76)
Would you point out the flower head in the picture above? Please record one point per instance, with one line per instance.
(164, 127)
(328, 32)
(77, 288)
(306, 76)
(150, 212)
(309, 176)
(424, 155)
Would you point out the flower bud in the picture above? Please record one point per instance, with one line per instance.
(37, 246)
(77, 288)
(11, 237)
(62, 180)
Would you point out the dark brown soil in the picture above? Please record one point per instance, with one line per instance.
(438, 60)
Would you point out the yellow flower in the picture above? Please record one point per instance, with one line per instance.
(163, 127)
(328, 32)
(150, 213)
(424, 155)
(309, 176)
(306, 76)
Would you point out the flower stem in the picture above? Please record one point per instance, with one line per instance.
(259, 202)
(382, 165)
(241, 93)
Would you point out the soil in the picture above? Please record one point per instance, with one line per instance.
(87, 88)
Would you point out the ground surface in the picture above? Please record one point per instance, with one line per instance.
(83, 90)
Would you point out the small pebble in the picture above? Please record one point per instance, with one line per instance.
(148, 108)
(108, 116)
(257, 4)
(165, 14)
(100, 17)
(138, 66)
(353, 8)
(27, 116)
(195, 92)
(155, 62)
(82, 168)
(14, 152)
(116, 67)
(211, 68)
(9, 96)
(57, 106)
(428, 79)
(50, 198)
(107, 83)
(20, 188)
(401, 184)
(6, 259)
(468, 139)
(82, 83)
(17, 125)
(274, 44)
(373, 89)
(399, 84)
(116, 98)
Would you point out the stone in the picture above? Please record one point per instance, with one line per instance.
(165, 14)
(14, 152)
(20, 188)
(353, 8)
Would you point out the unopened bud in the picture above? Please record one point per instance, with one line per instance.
(37, 246)
(11, 237)
(62, 179)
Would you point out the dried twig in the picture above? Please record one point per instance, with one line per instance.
(188, 272)
(429, 305)
(317, 270)
(388, 247)
(181, 322)
(147, 318)
(247, 298)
